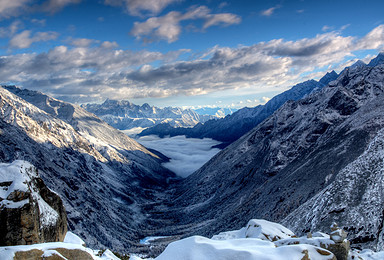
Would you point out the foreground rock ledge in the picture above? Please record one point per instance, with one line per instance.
(30, 213)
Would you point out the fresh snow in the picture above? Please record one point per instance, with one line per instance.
(72, 238)
(20, 173)
(201, 248)
(71, 242)
(257, 241)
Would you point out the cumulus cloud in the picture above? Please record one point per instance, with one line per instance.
(84, 73)
(12, 8)
(186, 154)
(225, 19)
(140, 7)
(270, 11)
(168, 27)
(24, 39)
(373, 40)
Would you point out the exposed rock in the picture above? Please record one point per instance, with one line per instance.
(340, 250)
(29, 212)
(54, 254)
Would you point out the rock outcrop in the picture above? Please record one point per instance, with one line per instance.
(30, 213)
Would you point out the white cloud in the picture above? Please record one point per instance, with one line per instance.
(326, 28)
(82, 42)
(24, 40)
(265, 99)
(373, 40)
(224, 19)
(92, 73)
(140, 7)
(168, 27)
(12, 8)
(186, 154)
(40, 22)
(270, 11)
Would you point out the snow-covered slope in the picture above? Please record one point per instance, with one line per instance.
(102, 175)
(72, 248)
(354, 199)
(125, 115)
(258, 240)
(232, 127)
(300, 150)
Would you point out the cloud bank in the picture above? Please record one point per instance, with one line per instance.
(90, 70)
(187, 154)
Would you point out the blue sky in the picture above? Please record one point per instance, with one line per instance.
(179, 52)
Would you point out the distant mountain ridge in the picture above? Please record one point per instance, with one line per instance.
(233, 126)
(215, 111)
(125, 115)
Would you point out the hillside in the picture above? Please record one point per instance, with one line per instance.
(102, 175)
(312, 155)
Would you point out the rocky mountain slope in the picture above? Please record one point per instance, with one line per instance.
(124, 115)
(321, 153)
(102, 175)
(233, 126)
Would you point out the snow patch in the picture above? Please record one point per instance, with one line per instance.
(20, 174)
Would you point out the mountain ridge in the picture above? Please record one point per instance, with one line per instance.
(232, 127)
(296, 153)
(102, 185)
(124, 115)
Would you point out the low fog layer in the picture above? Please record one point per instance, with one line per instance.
(186, 154)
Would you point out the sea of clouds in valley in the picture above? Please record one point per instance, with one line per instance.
(186, 154)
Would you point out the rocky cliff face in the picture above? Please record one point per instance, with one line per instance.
(302, 155)
(30, 213)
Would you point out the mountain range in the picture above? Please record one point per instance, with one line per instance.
(233, 126)
(316, 159)
(102, 175)
(125, 115)
(313, 161)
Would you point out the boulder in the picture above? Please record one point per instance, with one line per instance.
(29, 211)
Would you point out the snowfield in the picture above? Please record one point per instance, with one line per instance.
(71, 242)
